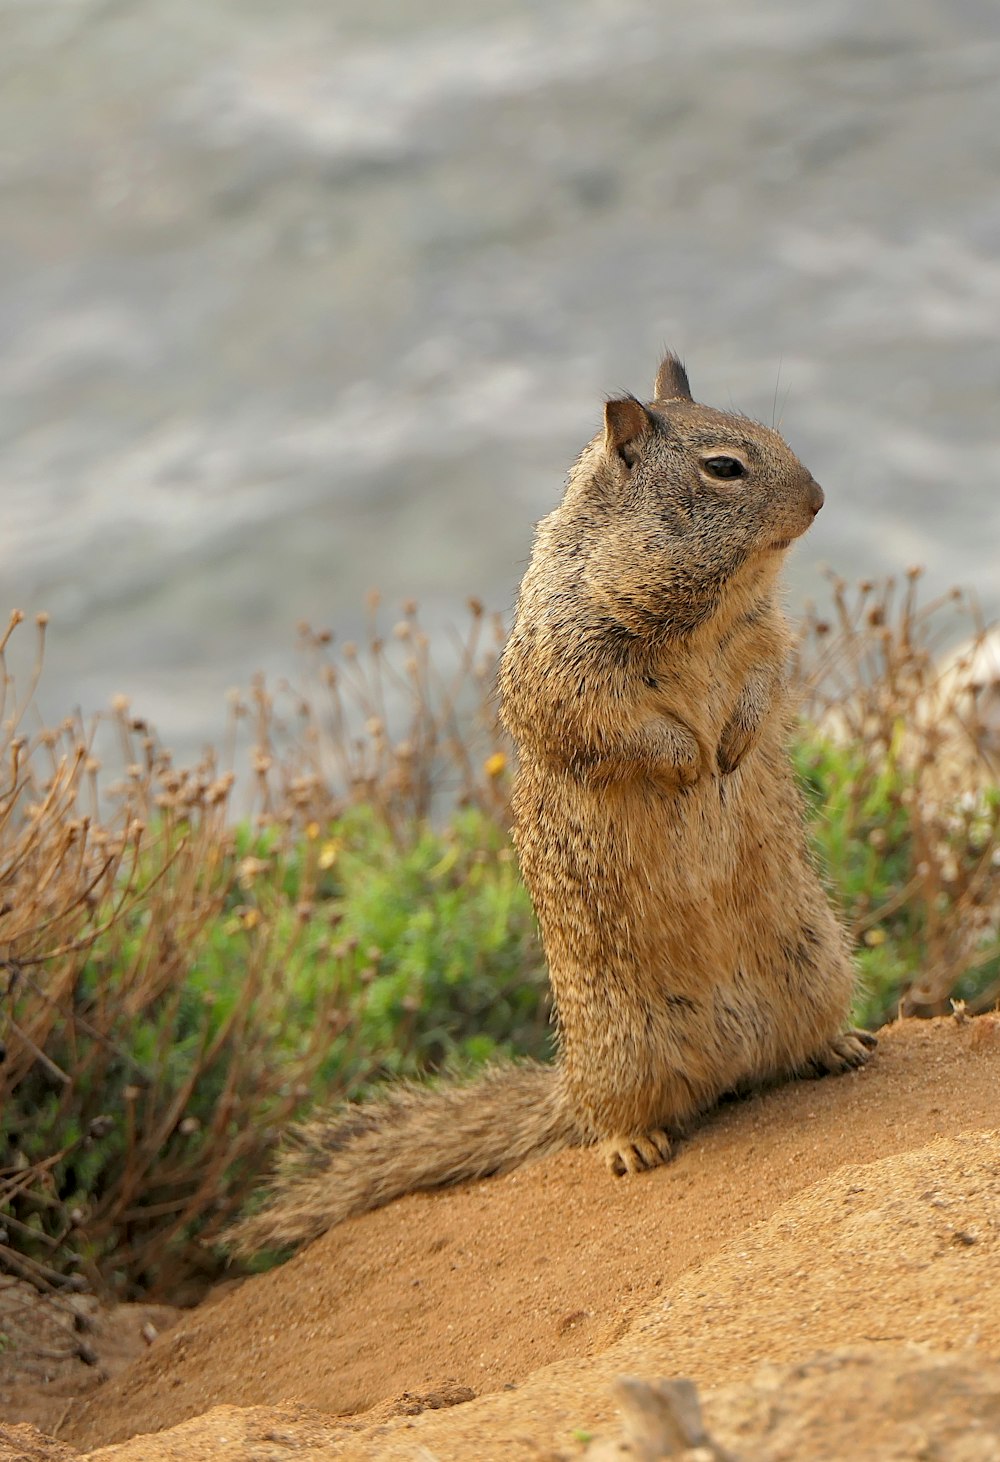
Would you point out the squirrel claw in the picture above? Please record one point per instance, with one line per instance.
(851, 1049)
(637, 1154)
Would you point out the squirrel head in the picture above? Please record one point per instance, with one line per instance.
(682, 501)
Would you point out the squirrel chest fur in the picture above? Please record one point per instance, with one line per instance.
(692, 950)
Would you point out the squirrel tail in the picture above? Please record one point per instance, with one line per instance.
(355, 1158)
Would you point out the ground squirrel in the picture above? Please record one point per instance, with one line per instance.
(692, 950)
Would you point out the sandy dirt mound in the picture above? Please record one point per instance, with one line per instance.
(869, 1404)
(906, 1249)
(901, 1250)
(479, 1287)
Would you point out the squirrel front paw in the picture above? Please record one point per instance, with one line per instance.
(638, 1153)
(674, 776)
(676, 756)
(732, 749)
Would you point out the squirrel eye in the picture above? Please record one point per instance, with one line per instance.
(725, 468)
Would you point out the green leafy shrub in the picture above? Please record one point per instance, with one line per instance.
(900, 761)
(864, 837)
(206, 1018)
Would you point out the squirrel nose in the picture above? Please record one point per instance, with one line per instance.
(815, 496)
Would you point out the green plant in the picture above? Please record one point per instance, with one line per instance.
(239, 976)
(898, 764)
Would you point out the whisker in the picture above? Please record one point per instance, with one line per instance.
(777, 382)
(788, 391)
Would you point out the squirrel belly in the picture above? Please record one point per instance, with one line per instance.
(691, 947)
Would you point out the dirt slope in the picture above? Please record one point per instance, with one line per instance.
(479, 1287)
(903, 1250)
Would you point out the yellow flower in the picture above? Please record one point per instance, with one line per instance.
(494, 765)
(875, 937)
(251, 918)
(328, 854)
(312, 831)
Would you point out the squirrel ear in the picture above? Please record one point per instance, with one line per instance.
(626, 422)
(671, 380)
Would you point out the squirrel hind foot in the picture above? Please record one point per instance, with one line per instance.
(637, 1153)
(845, 1052)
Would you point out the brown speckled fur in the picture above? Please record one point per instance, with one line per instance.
(691, 948)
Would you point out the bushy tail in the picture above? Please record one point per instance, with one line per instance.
(356, 1158)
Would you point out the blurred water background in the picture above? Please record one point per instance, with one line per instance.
(301, 298)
